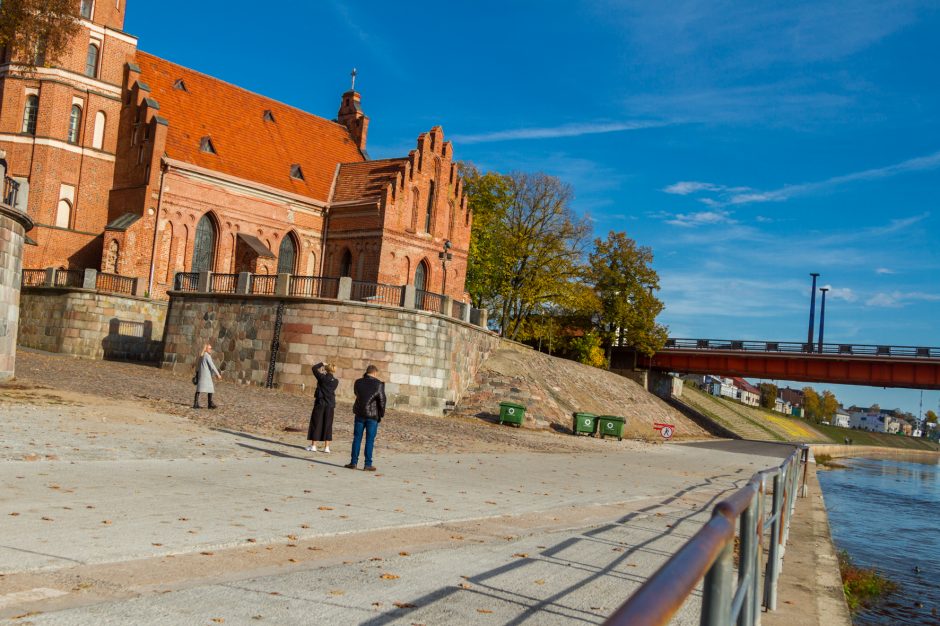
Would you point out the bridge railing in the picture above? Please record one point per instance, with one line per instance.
(795, 347)
(727, 598)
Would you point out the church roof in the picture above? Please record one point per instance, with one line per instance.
(251, 137)
(367, 179)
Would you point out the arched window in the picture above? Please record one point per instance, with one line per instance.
(114, 255)
(91, 61)
(204, 246)
(75, 123)
(287, 255)
(427, 216)
(63, 213)
(100, 120)
(30, 112)
(345, 266)
(86, 7)
(421, 276)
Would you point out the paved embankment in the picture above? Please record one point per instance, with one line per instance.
(116, 514)
(837, 451)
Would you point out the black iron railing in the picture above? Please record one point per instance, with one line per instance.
(263, 284)
(795, 347)
(115, 283)
(314, 286)
(223, 283)
(69, 278)
(186, 281)
(458, 309)
(377, 293)
(10, 190)
(727, 598)
(431, 302)
(34, 278)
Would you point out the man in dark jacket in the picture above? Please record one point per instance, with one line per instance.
(369, 410)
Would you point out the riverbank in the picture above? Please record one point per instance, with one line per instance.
(843, 451)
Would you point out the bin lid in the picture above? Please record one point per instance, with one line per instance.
(613, 418)
(512, 405)
(583, 414)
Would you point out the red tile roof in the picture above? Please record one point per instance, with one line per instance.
(246, 145)
(368, 179)
(740, 383)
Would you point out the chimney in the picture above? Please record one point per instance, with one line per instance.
(351, 116)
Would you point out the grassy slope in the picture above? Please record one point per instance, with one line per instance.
(864, 438)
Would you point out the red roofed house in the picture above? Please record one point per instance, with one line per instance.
(746, 392)
(134, 165)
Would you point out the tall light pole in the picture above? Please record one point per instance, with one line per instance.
(445, 256)
(812, 313)
(822, 316)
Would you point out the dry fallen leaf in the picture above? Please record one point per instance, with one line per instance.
(183, 519)
(14, 514)
(206, 553)
(521, 555)
(387, 576)
(292, 537)
(106, 522)
(218, 620)
(46, 519)
(156, 544)
(540, 581)
(484, 611)
(337, 592)
(405, 605)
(465, 586)
(325, 508)
(403, 554)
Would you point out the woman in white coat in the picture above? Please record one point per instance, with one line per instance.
(205, 370)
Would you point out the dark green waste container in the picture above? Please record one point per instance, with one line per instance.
(610, 426)
(511, 413)
(585, 423)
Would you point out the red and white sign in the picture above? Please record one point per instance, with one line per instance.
(666, 430)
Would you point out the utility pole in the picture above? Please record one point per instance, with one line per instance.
(812, 313)
(822, 317)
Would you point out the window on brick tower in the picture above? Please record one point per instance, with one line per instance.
(86, 8)
(100, 121)
(427, 216)
(91, 61)
(204, 247)
(75, 123)
(287, 255)
(63, 214)
(421, 276)
(30, 112)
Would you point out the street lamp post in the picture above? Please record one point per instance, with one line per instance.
(445, 256)
(812, 313)
(822, 316)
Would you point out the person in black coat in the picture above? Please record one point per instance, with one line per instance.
(324, 403)
(369, 410)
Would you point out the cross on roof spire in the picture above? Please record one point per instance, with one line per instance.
(353, 75)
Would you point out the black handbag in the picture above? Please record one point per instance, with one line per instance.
(195, 379)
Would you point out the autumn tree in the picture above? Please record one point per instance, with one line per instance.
(768, 395)
(828, 405)
(930, 417)
(811, 403)
(488, 195)
(624, 280)
(37, 32)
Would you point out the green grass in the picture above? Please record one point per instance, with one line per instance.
(863, 586)
(865, 438)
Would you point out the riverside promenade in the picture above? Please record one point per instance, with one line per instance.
(114, 511)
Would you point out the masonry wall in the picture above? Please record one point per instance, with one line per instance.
(89, 324)
(12, 229)
(425, 359)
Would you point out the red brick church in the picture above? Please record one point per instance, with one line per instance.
(134, 165)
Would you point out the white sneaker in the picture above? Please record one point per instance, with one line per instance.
(311, 448)
(326, 449)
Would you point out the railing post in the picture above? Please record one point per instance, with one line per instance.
(755, 598)
(345, 288)
(244, 283)
(716, 591)
(140, 288)
(90, 279)
(409, 298)
(478, 317)
(773, 556)
(748, 560)
(447, 306)
(204, 282)
(282, 285)
(50, 277)
(466, 312)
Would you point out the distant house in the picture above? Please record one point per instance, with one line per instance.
(746, 392)
(867, 420)
(793, 396)
(841, 418)
(782, 406)
(720, 386)
(907, 429)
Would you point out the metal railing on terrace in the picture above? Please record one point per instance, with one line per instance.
(34, 278)
(728, 596)
(186, 281)
(224, 283)
(115, 283)
(377, 293)
(314, 287)
(263, 284)
(795, 347)
(69, 278)
(458, 309)
(10, 190)
(431, 302)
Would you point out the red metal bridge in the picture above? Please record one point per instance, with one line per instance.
(878, 366)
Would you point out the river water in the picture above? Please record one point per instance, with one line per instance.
(886, 514)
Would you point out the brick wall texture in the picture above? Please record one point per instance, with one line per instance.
(425, 359)
(11, 265)
(89, 324)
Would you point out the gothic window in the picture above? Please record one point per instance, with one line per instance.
(86, 8)
(75, 123)
(63, 213)
(287, 255)
(345, 266)
(421, 276)
(204, 247)
(30, 112)
(427, 216)
(114, 254)
(91, 61)
(98, 140)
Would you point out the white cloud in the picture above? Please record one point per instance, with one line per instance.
(898, 299)
(884, 270)
(702, 218)
(841, 293)
(564, 130)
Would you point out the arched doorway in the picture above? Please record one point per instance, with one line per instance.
(287, 255)
(204, 246)
(421, 276)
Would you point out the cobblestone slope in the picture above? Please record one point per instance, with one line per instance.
(552, 389)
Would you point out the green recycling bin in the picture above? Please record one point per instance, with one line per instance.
(511, 413)
(610, 426)
(584, 423)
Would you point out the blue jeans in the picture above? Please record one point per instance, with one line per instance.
(371, 427)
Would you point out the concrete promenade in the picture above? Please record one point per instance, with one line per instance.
(115, 514)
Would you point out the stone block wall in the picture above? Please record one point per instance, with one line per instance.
(13, 226)
(86, 323)
(425, 359)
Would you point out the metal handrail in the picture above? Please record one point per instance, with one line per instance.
(186, 281)
(33, 278)
(428, 301)
(314, 286)
(710, 554)
(69, 278)
(115, 283)
(262, 284)
(377, 293)
(10, 190)
(458, 309)
(223, 283)
(795, 347)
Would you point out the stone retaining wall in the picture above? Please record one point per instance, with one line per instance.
(13, 227)
(841, 451)
(85, 323)
(426, 359)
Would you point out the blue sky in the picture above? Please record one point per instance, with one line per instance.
(747, 143)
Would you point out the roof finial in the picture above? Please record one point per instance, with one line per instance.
(353, 75)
